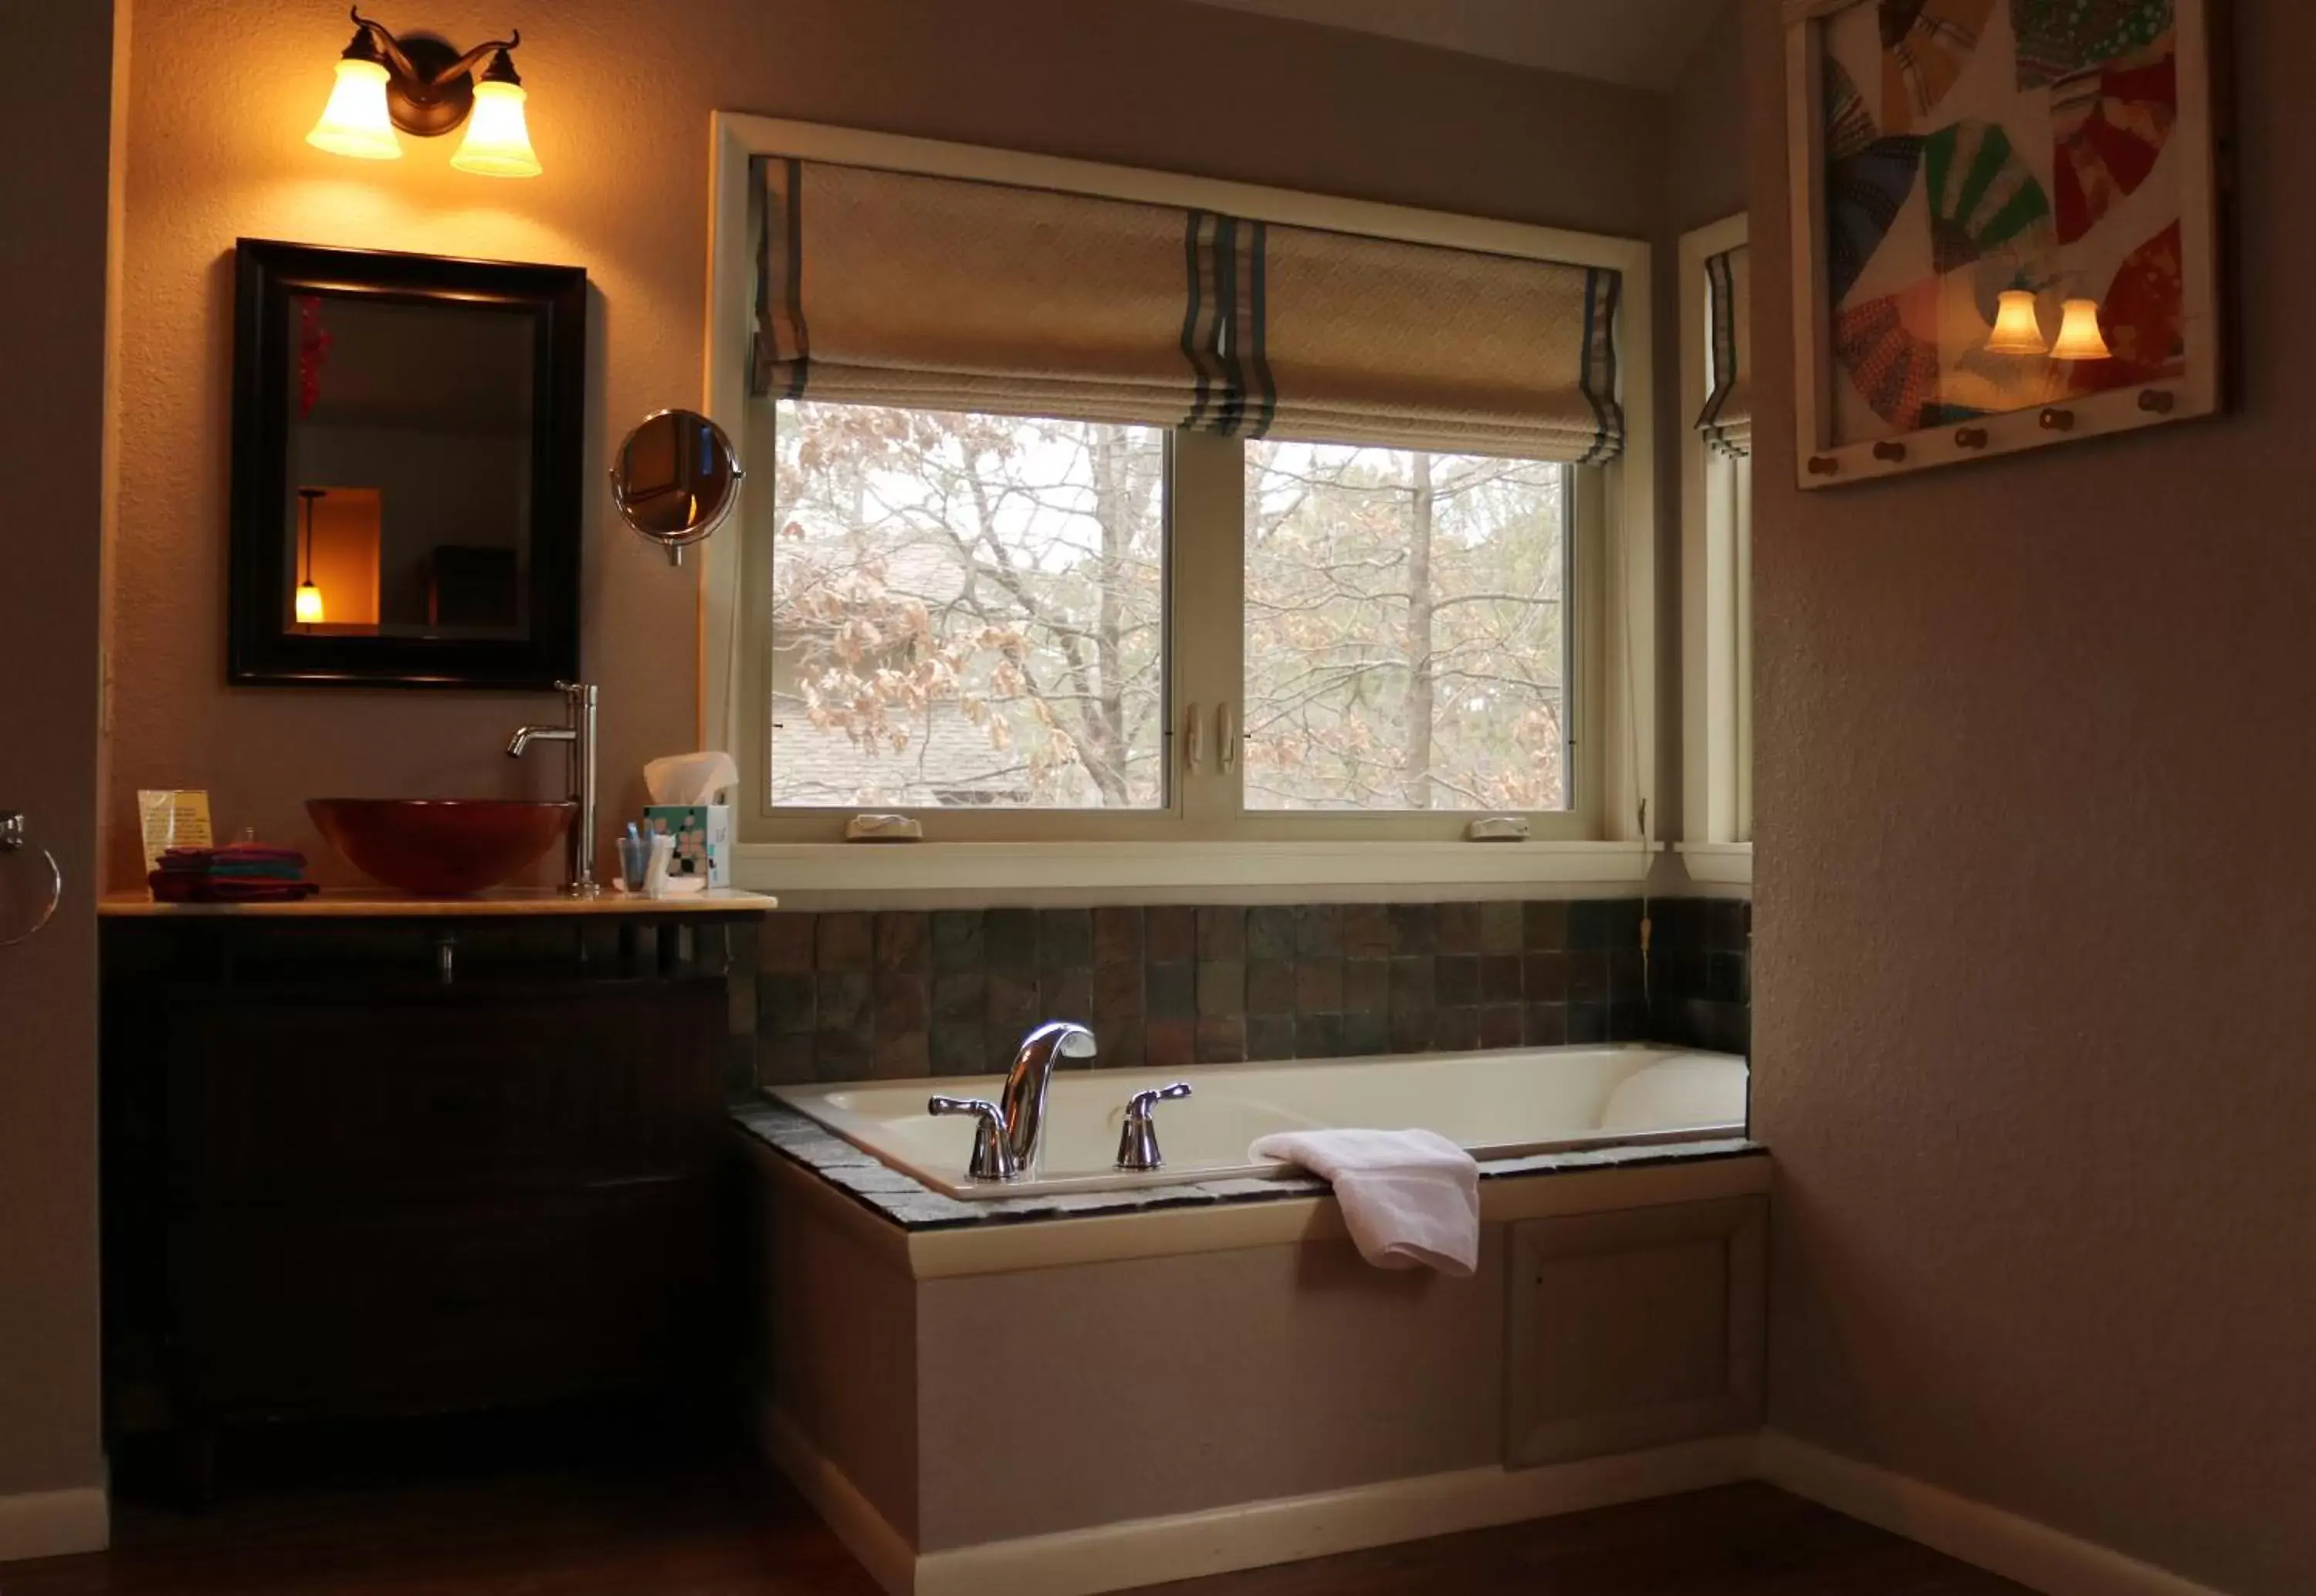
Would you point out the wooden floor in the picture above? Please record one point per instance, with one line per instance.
(574, 1522)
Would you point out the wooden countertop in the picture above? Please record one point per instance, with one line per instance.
(345, 904)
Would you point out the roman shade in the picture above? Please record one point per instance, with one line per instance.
(935, 293)
(1353, 339)
(1727, 419)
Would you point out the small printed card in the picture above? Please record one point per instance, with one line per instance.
(177, 818)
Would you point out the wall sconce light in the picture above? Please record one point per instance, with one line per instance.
(2080, 338)
(421, 84)
(2016, 331)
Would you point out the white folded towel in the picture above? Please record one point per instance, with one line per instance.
(1411, 1197)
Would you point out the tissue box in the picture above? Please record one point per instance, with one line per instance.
(703, 839)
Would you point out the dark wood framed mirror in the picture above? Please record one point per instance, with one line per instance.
(407, 433)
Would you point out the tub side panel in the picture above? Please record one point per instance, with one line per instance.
(1163, 1385)
(838, 1339)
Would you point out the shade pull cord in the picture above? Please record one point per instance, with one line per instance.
(1633, 741)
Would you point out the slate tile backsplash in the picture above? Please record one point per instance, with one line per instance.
(895, 995)
(1701, 992)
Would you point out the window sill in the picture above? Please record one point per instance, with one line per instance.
(1719, 864)
(1211, 871)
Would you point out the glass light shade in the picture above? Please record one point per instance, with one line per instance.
(498, 138)
(354, 122)
(2016, 331)
(310, 604)
(2080, 338)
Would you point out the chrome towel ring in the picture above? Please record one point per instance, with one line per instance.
(14, 841)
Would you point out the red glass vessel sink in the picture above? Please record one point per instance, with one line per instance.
(439, 847)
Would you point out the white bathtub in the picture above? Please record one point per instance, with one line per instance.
(1499, 1104)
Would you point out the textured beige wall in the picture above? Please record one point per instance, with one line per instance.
(2036, 739)
(1703, 180)
(621, 92)
(1705, 123)
(54, 202)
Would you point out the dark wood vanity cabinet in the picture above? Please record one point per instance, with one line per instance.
(351, 1188)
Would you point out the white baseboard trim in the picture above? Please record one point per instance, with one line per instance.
(1286, 1529)
(2035, 1555)
(883, 1550)
(54, 1524)
(1249, 1534)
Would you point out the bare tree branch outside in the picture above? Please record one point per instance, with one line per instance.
(1404, 630)
(969, 611)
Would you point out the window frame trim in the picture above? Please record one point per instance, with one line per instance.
(1618, 703)
(1714, 701)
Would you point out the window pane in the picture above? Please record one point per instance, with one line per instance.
(967, 612)
(1406, 630)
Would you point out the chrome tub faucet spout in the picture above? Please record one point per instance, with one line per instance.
(577, 734)
(1009, 1134)
(1024, 1098)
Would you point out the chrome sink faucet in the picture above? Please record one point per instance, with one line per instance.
(1010, 1134)
(577, 734)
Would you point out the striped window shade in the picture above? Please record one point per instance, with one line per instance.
(1727, 419)
(934, 293)
(1354, 340)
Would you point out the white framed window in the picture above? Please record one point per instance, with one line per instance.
(1094, 655)
(1716, 521)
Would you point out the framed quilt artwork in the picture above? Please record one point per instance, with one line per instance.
(2004, 227)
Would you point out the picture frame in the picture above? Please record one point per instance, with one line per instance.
(1944, 153)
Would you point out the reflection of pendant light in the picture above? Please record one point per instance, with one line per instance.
(309, 596)
(2080, 338)
(2016, 331)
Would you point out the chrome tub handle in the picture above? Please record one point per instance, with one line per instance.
(993, 1155)
(1138, 1141)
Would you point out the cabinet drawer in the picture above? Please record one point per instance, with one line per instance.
(444, 1308)
(350, 1098)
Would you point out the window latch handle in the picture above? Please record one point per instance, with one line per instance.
(1225, 737)
(1193, 749)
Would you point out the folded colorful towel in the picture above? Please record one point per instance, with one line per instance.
(234, 870)
(185, 886)
(237, 873)
(237, 858)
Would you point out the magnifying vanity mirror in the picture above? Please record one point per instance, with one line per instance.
(675, 480)
(407, 435)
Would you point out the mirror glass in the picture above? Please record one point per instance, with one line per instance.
(407, 439)
(408, 504)
(675, 478)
